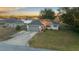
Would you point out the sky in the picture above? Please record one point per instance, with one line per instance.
(29, 11)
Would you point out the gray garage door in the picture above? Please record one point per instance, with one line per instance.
(34, 28)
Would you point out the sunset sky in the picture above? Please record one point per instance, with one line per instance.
(29, 11)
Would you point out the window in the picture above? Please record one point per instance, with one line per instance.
(55, 25)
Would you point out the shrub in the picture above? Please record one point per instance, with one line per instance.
(18, 28)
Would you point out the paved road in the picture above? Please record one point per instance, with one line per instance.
(8, 47)
(19, 42)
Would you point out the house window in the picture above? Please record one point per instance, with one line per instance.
(55, 25)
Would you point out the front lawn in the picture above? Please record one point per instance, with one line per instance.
(5, 33)
(56, 40)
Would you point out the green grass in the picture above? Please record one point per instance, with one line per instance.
(56, 40)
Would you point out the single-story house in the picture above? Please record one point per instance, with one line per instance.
(31, 25)
(35, 25)
(11, 22)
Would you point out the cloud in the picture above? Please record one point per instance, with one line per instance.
(18, 11)
(23, 10)
(7, 9)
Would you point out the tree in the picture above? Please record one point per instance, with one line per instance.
(18, 27)
(47, 14)
(71, 16)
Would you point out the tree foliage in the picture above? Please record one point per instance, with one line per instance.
(47, 14)
(70, 15)
(18, 28)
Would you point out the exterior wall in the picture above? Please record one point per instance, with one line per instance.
(13, 25)
(55, 26)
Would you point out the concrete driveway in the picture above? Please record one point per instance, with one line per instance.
(19, 42)
(20, 38)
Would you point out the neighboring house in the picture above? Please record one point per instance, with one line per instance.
(35, 25)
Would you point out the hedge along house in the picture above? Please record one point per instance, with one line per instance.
(35, 26)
